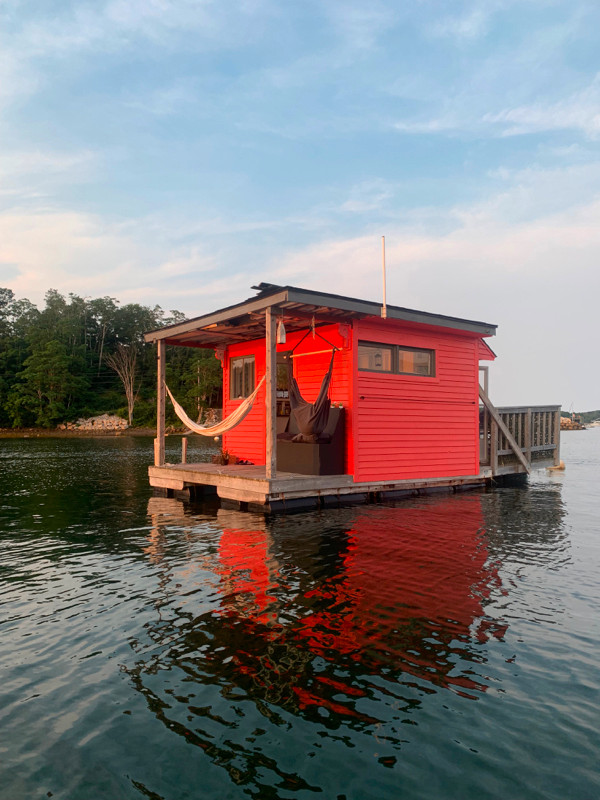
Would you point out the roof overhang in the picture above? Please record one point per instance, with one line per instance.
(246, 321)
(485, 352)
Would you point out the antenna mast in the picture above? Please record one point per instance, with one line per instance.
(384, 306)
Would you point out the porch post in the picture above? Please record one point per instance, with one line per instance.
(159, 442)
(556, 438)
(271, 395)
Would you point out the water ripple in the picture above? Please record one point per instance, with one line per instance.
(362, 652)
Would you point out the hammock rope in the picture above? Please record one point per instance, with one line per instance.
(225, 425)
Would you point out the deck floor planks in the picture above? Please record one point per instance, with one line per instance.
(249, 482)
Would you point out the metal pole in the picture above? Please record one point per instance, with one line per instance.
(384, 306)
(270, 395)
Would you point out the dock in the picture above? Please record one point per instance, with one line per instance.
(247, 487)
(519, 440)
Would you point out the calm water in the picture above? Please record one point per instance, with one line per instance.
(440, 648)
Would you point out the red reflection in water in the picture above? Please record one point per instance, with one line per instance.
(406, 595)
(246, 581)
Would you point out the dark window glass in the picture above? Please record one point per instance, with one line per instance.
(374, 357)
(241, 377)
(415, 362)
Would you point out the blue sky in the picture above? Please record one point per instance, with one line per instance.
(177, 152)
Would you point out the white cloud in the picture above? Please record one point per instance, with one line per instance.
(81, 253)
(516, 259)
(579, 112)
(359, 25)
(28, 173)
(368, 196)
(538, 278)
(470, 25)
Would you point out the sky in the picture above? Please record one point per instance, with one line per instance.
(176, 152)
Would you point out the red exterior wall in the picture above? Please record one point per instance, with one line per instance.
(397, 426)
(408, 426)
(310, 369)
(247, 441)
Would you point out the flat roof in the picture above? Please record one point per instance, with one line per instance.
(246, 320)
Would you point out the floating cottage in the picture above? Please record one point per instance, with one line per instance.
(330, 399)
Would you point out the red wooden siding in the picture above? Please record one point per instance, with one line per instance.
(485, 352)
(247, 441)
(409, 426)
(397, 426)
(310, 369)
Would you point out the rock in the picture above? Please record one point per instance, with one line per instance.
(102, 423)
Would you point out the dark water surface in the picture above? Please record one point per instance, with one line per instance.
(446, 647)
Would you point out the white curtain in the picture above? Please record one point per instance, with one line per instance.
(225, 425)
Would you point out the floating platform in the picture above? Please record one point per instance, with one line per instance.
(246, 486)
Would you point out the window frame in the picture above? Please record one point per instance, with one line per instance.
(396, 349)
(379, 345)
(246, 391)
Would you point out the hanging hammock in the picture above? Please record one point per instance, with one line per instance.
(311, 418)
(225, 425)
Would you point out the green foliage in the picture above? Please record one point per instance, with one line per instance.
(586, 416)
(47, 386)
(194, 376)
(53, 361)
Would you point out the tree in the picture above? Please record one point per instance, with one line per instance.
(205, 377)
(47, 386)
(124, 361)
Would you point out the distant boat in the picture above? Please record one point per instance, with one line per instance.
(572, 423)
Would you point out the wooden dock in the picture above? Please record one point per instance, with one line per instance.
(513, 441)
(248, 488)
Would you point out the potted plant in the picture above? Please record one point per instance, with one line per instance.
(224, 458)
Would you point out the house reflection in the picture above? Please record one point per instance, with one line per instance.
(343, 621)
(396, 592)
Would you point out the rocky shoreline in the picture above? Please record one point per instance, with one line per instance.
(28, 433)
(102, 425)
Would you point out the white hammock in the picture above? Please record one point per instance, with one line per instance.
(225, 425)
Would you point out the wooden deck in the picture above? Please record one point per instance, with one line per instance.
(248, 486)
(517, 439)
(513, 441)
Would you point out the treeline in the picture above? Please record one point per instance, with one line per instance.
(586, 416)
(79, 357)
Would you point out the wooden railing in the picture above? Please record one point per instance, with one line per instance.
(518, 438)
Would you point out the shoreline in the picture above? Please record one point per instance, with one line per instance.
(55, 433)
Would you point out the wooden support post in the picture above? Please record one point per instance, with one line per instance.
(271, 395)
(556, 437)
(507, 434)
(184, 444)
(159, 443)
(528, 432)
(486, 378)
(493, 445)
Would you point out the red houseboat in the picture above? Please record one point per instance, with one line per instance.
(333, 398)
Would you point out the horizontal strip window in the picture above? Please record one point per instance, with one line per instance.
(241, 383)
(394, 359)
